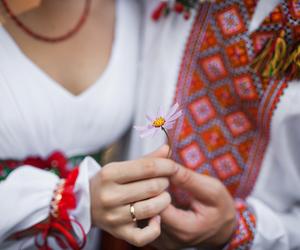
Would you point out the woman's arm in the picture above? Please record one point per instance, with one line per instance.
(26, 195)
(103, 198)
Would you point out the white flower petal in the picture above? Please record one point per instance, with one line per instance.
(169, 125)
(175, 116)
(160, 112)
(140, 128)
(172, 111)
(148, 132)
(150, 118)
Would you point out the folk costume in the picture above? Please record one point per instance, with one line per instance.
(229, 67)
(46, 133)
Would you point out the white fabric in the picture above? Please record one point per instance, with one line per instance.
(276, 196)
(38, 116)
(263, 9)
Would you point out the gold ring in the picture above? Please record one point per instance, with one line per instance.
(132, 213)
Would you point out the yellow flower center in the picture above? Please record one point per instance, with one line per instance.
(159, 122)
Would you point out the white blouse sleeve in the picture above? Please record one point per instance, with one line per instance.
(26, 194)
(276, 196)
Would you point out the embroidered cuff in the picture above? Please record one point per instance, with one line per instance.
(59, 225)
(243, 236)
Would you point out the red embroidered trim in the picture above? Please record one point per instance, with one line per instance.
(56, 163)
(64, 197)
(179, 6)
(243, 237)
(59, 224)
(227, 111)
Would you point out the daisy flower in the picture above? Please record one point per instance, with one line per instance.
(160, 122)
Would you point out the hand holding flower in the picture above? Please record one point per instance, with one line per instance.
(140, 183)
(209, 222)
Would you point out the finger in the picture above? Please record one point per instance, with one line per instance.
(152, 207)
(161, 152)
(202, 187)
(142, 236)
(145, 168)
(141, 190)
(184, 218)
(143, 209)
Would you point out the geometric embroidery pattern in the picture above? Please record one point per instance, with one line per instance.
(244, 234)
(227, 109)
(202, 110)
(192, 156)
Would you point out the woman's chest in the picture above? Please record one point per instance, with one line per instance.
(37, 117)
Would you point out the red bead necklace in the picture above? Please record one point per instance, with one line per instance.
(48, 39)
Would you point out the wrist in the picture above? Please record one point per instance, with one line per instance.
(244, 233)
(227, 233)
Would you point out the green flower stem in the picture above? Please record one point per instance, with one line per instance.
(169, 141)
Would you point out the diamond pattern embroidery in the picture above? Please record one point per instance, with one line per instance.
(245, 88)
(295, 4)
(230, 21)
(226, 166)
(238, 123)
(213, 138)
(237, 54)
(224, 106)
(192, 156)
(202, 110)
(224, 96)
(214, 67)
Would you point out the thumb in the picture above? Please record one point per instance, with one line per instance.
(202, 187)
(161, 152)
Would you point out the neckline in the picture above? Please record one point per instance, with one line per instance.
(18, 52)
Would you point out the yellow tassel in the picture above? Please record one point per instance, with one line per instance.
(269, 62)
(291, 68)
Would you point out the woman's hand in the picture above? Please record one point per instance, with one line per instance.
(142, 183)
(211, 220)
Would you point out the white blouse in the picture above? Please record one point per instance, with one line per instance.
(38, 116)
(276, 195)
